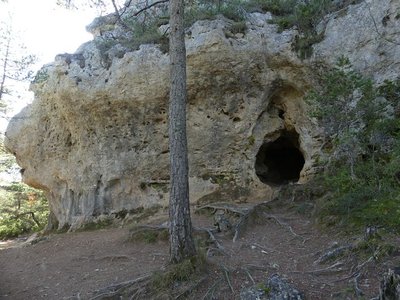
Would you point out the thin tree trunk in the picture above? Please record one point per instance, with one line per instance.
(181, 240)
(5, 66)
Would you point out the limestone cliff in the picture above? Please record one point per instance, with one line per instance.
(96, 140)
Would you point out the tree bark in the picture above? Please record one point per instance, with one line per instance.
(181, 240)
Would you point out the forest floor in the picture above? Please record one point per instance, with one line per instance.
(78, 265)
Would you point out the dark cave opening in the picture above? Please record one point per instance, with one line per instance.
(280, 161)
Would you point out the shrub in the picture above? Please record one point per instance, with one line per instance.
(293, 13)
(145, 32)
(22, 210)
(209, 10)
(144, 28)
(362, 174)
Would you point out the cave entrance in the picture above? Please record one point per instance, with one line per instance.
(280, 161)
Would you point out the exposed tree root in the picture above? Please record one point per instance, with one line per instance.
(333, 253)
(226, 273)
(285, 225)
(221, 206)
(248, 216)
(217, 244)
(357, 271)
(133, 286)
(255, 213)
(141, 233)
(359, 292)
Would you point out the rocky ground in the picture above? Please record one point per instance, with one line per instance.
(318, 262)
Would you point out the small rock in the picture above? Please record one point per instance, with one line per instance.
(274, 289)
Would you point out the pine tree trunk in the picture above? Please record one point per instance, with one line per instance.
(181, 241)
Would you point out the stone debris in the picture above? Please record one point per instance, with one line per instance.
(275, 288)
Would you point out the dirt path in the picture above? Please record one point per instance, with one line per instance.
(73, 265)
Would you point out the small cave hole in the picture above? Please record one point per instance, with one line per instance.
(280, 161)
(281, 114)
(236, 119)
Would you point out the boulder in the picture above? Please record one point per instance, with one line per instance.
(95, 138)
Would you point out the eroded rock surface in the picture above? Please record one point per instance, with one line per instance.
(96, 140)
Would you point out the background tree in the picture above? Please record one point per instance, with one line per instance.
(15, 65)
(181, 240)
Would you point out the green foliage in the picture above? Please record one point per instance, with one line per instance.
(238, 27)
(209, 10)
(362, 172)
(22, 210)
(41, 76)
(262, 287)
(7, 161)
(377, 247)
(144, 28)
(293, 13)
(146, 32)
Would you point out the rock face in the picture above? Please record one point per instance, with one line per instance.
(368, 35)
(96, 139)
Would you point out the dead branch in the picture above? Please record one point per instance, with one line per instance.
(148, 7)
(330, 269)
(119, 15)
